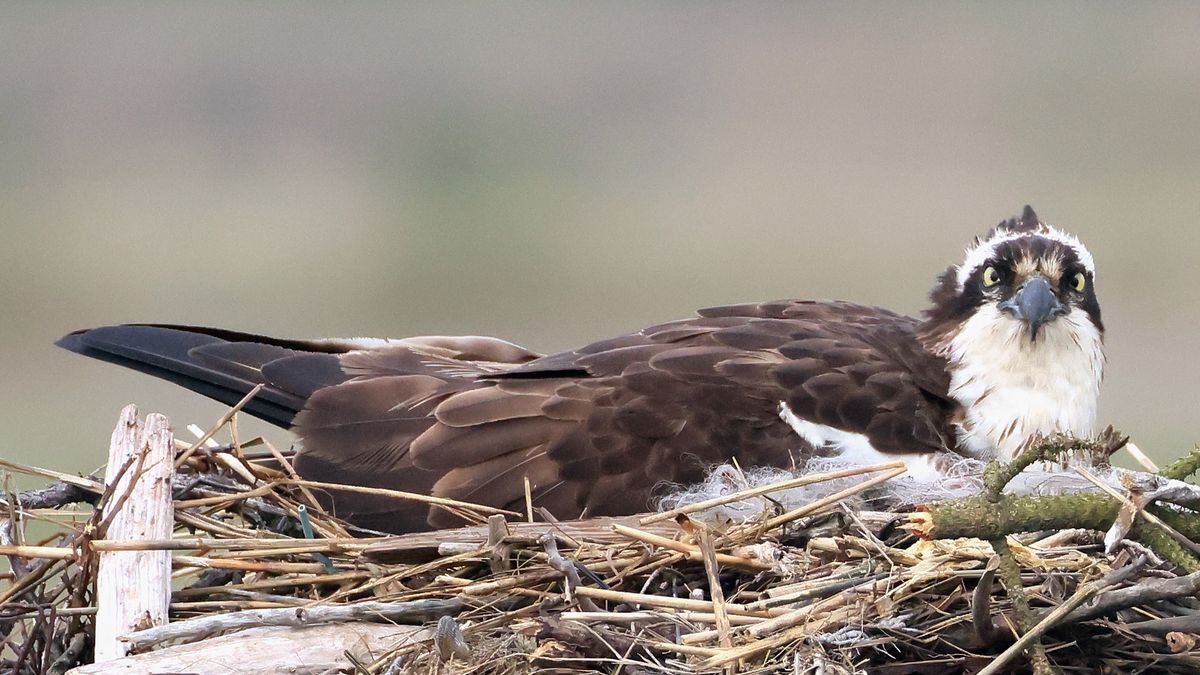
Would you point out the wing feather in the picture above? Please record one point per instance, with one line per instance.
(595, 430)
(487, 404)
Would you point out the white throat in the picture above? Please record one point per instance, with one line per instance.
(1011, 388)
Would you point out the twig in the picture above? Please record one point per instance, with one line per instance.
(984, 519)
(1184, 467)
(569, 571)
(416, 611)
(210, 543)
(715, 592)
(832, 499)
(43, 552)
(70, 656)
(595, 641)
(183, 457)
(660, 601)
(53, 496)
(1189, 623)
(981, 603)
(398, 494)
(1112, 492)
(999, 474)
(1141, 458)
(528, 500)
(657, 615)
(247, 565)
(1032, 637)
(90, 484)
(1145, 592)
(690, 550)
(1010, 576)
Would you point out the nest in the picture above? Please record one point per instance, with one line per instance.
(823, 588)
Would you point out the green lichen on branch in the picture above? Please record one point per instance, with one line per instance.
(999, 474)
(1050, 449)
(994, 514)
(982, 518)
(979, 517)
(1184, 467)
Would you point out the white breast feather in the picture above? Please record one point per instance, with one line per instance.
(1011, 388)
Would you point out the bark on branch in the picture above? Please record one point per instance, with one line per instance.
(416, 611)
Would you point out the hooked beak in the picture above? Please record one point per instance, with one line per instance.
(1035, 304)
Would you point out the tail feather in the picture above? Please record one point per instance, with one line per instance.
(221, 365)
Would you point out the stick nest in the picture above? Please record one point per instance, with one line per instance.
(826, 589)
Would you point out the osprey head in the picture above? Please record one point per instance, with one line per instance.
(1024, 274)
(1019, 326)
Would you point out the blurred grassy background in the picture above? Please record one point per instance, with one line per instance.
(558, 173)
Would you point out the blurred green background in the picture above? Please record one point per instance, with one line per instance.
(562, 172)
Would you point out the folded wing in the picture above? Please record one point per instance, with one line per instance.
(595, 431)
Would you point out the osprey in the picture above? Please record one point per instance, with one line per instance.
(1011, 347)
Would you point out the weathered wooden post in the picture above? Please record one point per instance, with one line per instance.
(133, 588)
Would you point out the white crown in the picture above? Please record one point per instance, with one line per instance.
(983, 249)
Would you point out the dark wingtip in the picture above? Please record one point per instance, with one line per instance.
(73, 341)
(176, 354)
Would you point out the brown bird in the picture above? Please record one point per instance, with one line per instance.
(1011, 347)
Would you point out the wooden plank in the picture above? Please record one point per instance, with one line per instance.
(133, 588)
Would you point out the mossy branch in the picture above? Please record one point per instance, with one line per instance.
(994, 514)
(1049, 449)
(1010, 576)
(1184, 467)
(982, 518)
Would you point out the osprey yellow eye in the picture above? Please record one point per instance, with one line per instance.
(990, 276)
(1080, 282)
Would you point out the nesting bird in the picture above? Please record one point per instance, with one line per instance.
(1011, 347)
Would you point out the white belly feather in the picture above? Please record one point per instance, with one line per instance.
(855, 449)
(1011, 389)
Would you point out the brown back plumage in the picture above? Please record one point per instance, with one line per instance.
(596, 430)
